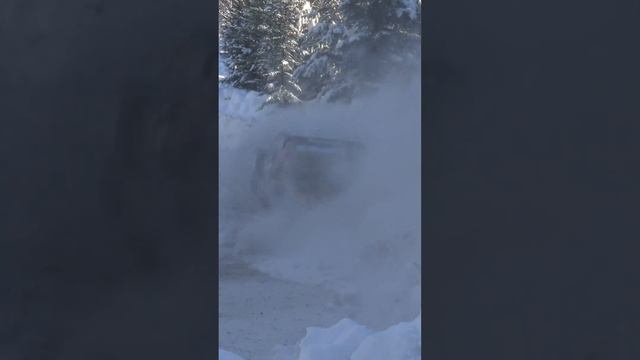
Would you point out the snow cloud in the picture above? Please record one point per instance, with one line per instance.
(364, 244)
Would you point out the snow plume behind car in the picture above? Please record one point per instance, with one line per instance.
(364, 243)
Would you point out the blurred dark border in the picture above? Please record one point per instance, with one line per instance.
(108, 179)
(530, 180)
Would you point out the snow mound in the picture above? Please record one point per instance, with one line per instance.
(399, 342)
(334, 343)
(225, 355)
(238, 103)
(233, 102)
(348, 340)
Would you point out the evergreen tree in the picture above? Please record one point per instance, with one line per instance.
(280, 51)
(223, 13)
(380, 36)
(318, 45)
(242, 38)
(337, 50)
(261, 48)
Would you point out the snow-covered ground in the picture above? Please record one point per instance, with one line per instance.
(262, 317)
(348, 340)
(290, 278)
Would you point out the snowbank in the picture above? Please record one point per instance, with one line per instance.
(348, 340)
(236, 103)
(333, 343)
(225, 355)
(399, 342)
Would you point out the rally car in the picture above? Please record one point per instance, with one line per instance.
(305, 169)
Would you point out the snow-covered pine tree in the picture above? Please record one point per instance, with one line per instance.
(280, 51)
(223, 12)
(242, 41)
(318, 45)
(380, 36)
(400, 33)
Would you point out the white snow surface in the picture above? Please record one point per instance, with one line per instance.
(348, 340)
(226, 355)
(337, 342)
(235, 103)
(239, 103)
(399, 342)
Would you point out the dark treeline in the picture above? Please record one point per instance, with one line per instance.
(297, 50)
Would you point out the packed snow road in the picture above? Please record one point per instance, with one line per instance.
(262, 318)
(268, 301)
